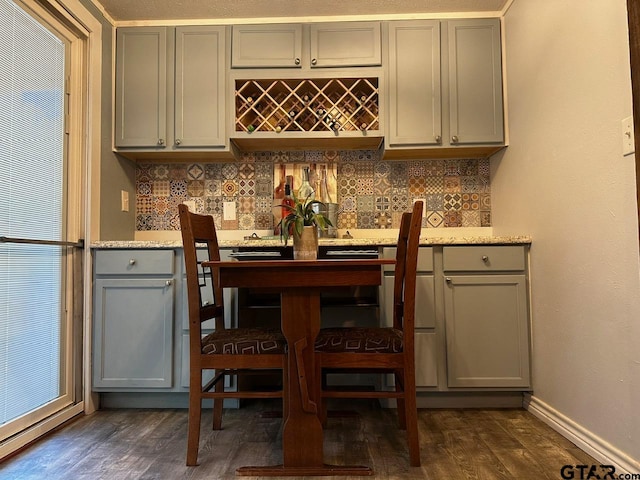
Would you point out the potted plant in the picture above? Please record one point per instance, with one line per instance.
(302, 220)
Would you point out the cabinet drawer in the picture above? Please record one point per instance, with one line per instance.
(484, 258)
(134, 262)
(425, 258)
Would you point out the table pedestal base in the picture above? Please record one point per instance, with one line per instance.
(324, 470)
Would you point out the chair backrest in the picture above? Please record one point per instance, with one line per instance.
(200, 230)
(404, 287)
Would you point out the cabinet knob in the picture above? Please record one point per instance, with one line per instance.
(485, 259)
(178, 141)
(438, 138)
(454, 139)
(132, 261)
(297, 61)
(168, 283)
(160, 141)
(314, 61)
(448, 280)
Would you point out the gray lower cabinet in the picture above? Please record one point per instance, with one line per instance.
(486, 317)
(133, 319)
(425, 317)
(471, 321)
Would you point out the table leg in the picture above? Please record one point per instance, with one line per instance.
(302, 435)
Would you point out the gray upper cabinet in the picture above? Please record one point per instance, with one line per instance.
(475, 82)
(444, 87)
(414, 83)
(270, 45)
(340, 44)
(141, 88)
(345, 44)
(170, 88)
(200, 87)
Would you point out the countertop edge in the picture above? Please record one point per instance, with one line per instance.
(337, 242)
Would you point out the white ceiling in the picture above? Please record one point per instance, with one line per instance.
(162, 10)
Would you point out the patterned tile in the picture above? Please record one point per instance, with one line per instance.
(381, 185)
(452, 202)
(195, 172)
(435, 219)
(470, 201)
(383, 220)
(348, 220)
(452, 184)
(372, 193)
(382, 204)
(433, 185)
(416, 169)
(365, 203)
(247, 171)
(417, 187)
(177, 188)
(366, 220)
(212, 188)
(246, 187)
(264, 221)
(470, 218)
(263, 204)
(247, 205)
(435, 202)
(230, 188)
(246, 221)
(434, 168)
(195, 188)
(364, 185)
(349, 204)
(143, 188)
(453, 219)
(347, 169)
(229, 171)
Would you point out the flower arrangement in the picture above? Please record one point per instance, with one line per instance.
(301, 213)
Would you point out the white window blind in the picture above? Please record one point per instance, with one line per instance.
(32, 144)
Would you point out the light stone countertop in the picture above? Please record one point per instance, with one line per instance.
(338, 242)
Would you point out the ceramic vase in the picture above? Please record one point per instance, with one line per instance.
(305, 246)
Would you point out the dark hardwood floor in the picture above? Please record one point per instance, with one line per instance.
(150, 444)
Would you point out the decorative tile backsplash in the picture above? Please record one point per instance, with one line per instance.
(372, 193)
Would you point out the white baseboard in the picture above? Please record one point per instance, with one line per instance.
(586, 440)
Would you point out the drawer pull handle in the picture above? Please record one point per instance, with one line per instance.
(168, 283)
(132, 261)
(485, 259)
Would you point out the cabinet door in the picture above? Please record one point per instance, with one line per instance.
(426, 359)
(271, 45)
(425, 301)
(133, 324)
(475, 81)
(414, 83)
(141, 89)
(345, 44)
(487, 331)
(200, 87)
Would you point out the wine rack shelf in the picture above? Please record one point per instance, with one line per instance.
(307, 105)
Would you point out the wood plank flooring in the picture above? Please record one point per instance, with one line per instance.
(150, 444)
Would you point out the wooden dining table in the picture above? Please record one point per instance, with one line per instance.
(300, 283)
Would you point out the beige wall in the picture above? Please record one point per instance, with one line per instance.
(564, 180)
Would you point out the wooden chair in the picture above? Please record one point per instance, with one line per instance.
(383, 350)
(225, 351)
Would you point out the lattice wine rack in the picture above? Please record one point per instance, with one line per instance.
(316, 105)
